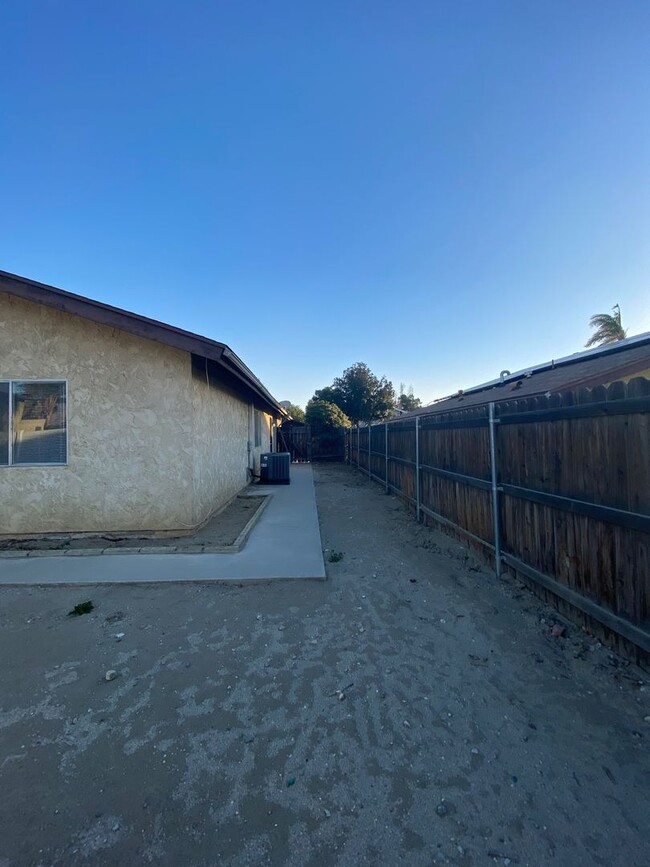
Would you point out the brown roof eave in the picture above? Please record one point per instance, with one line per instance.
(141, 326)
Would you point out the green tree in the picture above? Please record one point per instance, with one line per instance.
(321, 415)
(609, 328)
(363, 396)
(329, 394)
(407, 401)
(296, 412)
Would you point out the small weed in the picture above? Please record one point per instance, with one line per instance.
(81, 608)
(335, 556)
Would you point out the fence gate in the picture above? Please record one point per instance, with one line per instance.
(306, 444)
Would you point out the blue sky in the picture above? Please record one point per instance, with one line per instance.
(439, 189)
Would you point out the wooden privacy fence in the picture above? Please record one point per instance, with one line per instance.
(556, 488)
(306, 444)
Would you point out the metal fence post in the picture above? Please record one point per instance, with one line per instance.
(358, 446)
(369, 456)
(417, 467)
(386, 449)
(495, 492)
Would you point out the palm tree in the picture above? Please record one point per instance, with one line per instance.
(608, 328)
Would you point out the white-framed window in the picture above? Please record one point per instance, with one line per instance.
(33, 422)
(258, 428)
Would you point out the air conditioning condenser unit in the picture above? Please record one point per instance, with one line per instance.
(274, 468)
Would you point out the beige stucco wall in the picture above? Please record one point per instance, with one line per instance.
(149, 447)
(266, 423)
(219, 448)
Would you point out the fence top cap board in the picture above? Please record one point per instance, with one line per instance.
(599, 366)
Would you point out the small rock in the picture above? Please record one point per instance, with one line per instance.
(413, 580)
(248, 739)
(474, 751)
(290, 781)
(111, 674)
(407, 724)
(327, 813)
(340, 695)
(442, 809)
(558, 631)
(646, 719)
(119, 636)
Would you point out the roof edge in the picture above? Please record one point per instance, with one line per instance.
(577, 357)
(141, 326)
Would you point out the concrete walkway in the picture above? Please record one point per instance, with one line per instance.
(285, 543)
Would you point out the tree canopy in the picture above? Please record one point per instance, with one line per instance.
(407, 401)
(296, 412)
(321, 415)
(360, 394)
(608, 328)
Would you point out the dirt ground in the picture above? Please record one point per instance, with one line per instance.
(220, 532)
(411, 710)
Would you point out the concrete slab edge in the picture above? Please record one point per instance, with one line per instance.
(157, 582)
(235, 548)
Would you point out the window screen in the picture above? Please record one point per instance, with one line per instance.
(4, 423)
(258, 428)
(38, 423)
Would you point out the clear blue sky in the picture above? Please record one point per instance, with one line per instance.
(439, 189)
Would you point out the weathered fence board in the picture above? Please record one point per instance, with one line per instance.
(306, 444)
(572, 491)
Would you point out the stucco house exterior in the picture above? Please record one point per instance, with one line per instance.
(112, 422)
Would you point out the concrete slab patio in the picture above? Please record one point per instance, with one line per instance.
(285, 543)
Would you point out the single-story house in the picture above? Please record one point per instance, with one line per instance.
(614, 362)
(113, 422)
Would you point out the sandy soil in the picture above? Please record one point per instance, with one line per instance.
(412, 710)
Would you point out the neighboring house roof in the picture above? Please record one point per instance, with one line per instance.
(620, 360)
(114, 317)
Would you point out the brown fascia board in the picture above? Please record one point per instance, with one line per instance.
(141, 326)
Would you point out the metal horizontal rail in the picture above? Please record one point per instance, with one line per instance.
(620, 517)
(460, 529)
(400, 493)
(401, 460)
(628, 406)
(628, 630)
(453, 425)
(458, 477)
